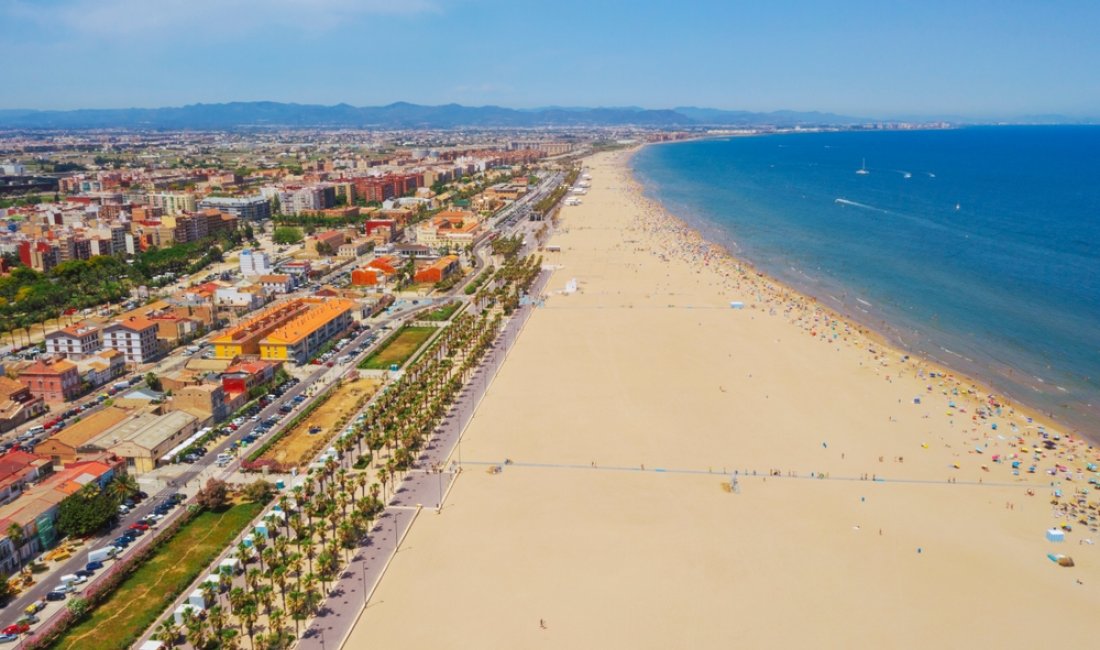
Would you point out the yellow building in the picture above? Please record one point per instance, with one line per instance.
(245, 337)
(301, 337)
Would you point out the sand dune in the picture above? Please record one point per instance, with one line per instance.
(625, 407)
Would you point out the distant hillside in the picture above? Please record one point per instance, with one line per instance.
(400, 115)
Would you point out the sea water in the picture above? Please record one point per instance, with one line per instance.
(978, 247)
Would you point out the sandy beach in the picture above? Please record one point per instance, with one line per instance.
(875, 501)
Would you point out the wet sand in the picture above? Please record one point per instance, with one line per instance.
(626, 407)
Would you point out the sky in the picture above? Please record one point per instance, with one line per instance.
(881, 59)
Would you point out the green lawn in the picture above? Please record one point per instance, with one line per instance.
(398, 348)
(442, 313)
(119, 621)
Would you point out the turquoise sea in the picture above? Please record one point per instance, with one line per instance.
(978, 247)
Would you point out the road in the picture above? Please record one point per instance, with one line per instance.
(184, 482)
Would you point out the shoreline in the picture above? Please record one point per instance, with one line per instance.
(884, 333)
(651, 467)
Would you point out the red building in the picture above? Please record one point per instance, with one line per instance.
(436, 271)
(242, 377)
(54, 382)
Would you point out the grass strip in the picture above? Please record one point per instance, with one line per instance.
(137, 602)
(398, 348)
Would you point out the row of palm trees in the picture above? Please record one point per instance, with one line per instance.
(325, 517)
(509, 282)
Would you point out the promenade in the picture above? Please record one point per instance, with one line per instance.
(421, 492)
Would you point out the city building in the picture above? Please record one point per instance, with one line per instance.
(438, 270)
(453, 229)
(244, 338)
(276, 283)
(249, 208)
(98, 369)
(207, 402)
(300, 338)
(173, 202)
(35, 511)
(135, 337)
(53, 381)
(243, 377)
(366, 277)
(18, 470)
(75, 341)
(18, 404)
(69, 444)
(144, 439)
(354, 249)
(254, 263)
(247, 297)
(325, 243)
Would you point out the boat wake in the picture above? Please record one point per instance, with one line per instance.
(857, 204)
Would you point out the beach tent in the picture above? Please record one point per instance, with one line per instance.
(231, 566)
(178, 614)
(1055, 535)
(197, 599)
(151, 645)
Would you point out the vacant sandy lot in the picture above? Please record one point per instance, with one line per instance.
(299, 446)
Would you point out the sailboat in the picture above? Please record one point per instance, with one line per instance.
(862, 171)
(958, 206)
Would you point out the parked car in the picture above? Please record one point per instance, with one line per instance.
(139, 526)
(34, 607)
(84, 573)
(92, 567)
(56, 595)
(8, 638)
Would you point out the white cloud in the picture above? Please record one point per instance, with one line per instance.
(181, 19)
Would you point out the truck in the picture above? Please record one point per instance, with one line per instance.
(102, 554)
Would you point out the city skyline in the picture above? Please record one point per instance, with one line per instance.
(936, 60)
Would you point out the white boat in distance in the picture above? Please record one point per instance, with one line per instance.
(862, 171)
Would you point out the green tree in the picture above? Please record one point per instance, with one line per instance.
(214, 495)
(85, 512)
(287, 235)
(78, 607)
(259, 491)
(153, 381)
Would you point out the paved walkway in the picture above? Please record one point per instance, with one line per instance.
(425, 486)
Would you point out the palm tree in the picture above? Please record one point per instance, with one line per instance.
(229, 639)
(209, 591)
(276, 622)
(15, 534)
(196, 631)
(248, 612)
(122, 487)
(216, 618)
(168, 632)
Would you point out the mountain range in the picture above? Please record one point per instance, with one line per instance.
(400, 115)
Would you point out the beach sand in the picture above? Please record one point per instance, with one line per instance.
(574, 544)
